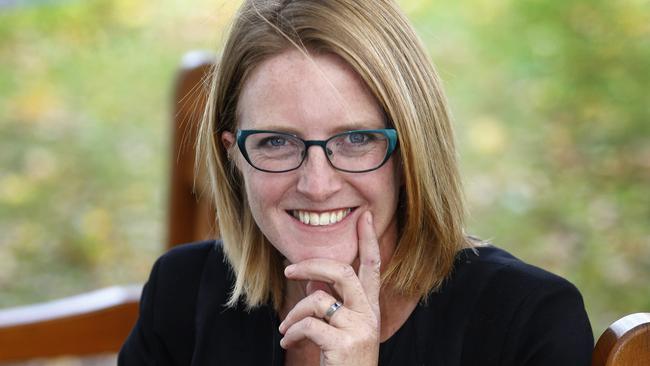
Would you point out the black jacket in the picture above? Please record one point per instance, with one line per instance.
(492, 310)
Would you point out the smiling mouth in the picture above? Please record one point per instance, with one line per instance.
(320, 218)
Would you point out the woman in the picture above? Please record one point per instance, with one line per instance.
(332, 163)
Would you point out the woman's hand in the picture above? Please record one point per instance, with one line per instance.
(350, 336)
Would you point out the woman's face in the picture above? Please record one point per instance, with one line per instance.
(315, 98)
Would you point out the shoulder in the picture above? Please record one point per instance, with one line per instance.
(181, 269)
(180, 275)
(191, 254)
(495, 283)
(169, 302)
(488, 265)
(515, 312)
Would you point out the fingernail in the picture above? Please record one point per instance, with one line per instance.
(369, 217)
(280, 327)
(282, 343)
(289, 270)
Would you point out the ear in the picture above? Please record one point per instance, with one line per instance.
(228, 140)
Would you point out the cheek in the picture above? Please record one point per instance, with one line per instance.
(389, 180)
(381, 190)
(386, 192)
(256, 193)
(264, 192)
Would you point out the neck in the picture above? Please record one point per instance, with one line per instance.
(395, 310)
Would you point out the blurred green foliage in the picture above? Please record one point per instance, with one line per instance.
(84, 115)
(550, 100)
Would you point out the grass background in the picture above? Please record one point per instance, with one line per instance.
(550, 100)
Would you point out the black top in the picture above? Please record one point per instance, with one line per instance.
(492, 310)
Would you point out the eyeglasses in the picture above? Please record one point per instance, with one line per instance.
(355, 151)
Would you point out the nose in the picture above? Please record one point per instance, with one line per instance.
(318, 180)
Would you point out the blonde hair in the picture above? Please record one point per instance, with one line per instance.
(377, 41)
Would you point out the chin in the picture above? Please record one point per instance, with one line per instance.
(343, 251)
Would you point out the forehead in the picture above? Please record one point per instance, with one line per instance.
(316, 94)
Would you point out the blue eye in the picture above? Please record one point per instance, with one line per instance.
(274, 141)
(358, 138)
(278, 141)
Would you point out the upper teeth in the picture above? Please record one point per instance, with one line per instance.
(320, 218)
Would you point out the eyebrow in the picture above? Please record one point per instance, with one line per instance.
(339, 129)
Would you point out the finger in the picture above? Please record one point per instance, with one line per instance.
(369, 259)
(313, 286)
(315, 330)
(315, 305)
(338, 275)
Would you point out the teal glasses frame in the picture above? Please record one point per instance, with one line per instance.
(389, 133)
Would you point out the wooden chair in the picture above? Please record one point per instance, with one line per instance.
(98, 322)
(625, 343)
(88, 324)
(190, 216)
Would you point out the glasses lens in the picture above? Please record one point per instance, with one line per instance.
(274, 152)
(358, 151)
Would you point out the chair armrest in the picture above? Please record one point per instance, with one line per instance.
(625, 342)
(91, 323)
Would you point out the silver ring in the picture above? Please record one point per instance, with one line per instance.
(331, 310)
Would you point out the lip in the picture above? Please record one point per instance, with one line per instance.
(323, 227)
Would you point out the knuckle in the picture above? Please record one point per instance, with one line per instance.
(319, 295)
(372, 261)
(375, 265)
(347, 271)
(308, 323)
(318, 298)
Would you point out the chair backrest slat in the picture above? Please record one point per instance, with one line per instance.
(190, 215)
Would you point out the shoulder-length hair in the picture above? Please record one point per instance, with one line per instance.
(377, 41)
